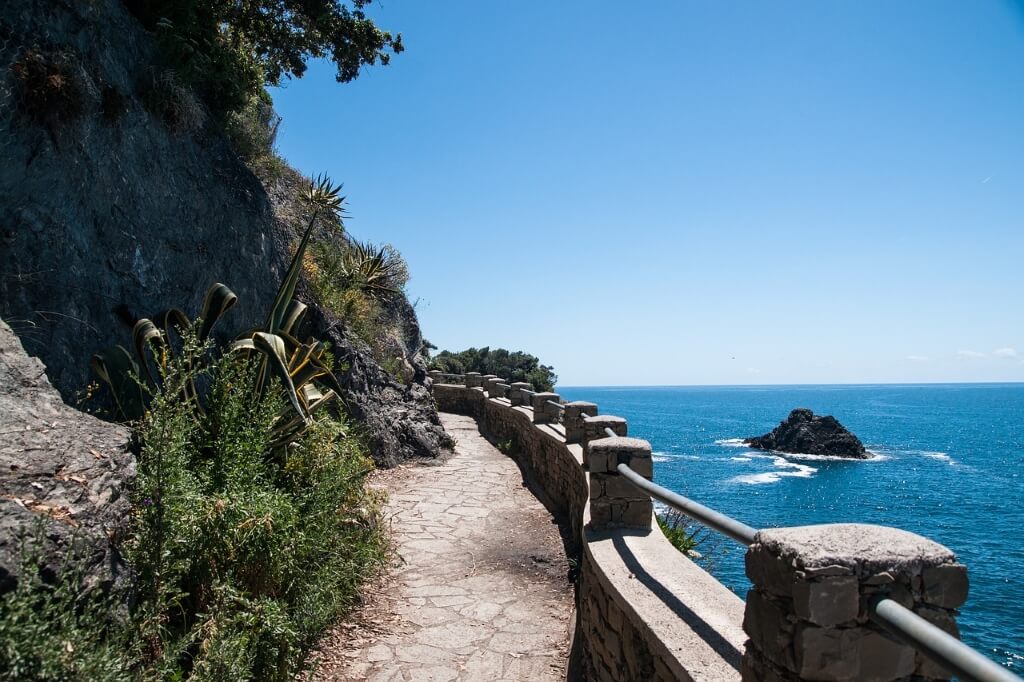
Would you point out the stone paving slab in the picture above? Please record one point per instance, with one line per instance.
(479, 590)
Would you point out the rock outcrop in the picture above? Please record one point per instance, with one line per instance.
(400, 419)
(113, 208)
(804, 432)
(59, 467)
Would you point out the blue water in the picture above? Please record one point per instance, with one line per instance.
(949, 467)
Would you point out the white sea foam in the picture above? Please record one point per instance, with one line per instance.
(790, 470)
(933, 454)
(738, 443)
(872, 457)
(660, 458)
(740, 459)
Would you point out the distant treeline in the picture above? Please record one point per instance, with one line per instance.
(514, 366)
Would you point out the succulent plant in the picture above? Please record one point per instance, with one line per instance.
(300, 366)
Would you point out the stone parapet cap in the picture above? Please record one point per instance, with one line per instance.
(852, 548)
(603, 419)
(620, 443)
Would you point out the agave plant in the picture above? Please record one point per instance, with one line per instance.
(299, 366)
(375, 270)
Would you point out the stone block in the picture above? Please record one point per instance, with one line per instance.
(608, 453)
(823, 576)
(618, 486)
(882, 658)
(945, 585)
(516, 395)
(493, 389)
(600, 513)
(827, 601)
(767, 623)
(850, 654)
(866, 548)
(635, 514)
(614, 617)
(543, 413)
(473, 379)
(573, 419)
(826, 653)
(769, 572)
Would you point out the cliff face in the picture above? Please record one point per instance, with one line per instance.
(65, 468)
(119, 198)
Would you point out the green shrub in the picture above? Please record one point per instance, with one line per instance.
(356, 280)
(253, 528)
(252, 131)
(227, 51)
(245, 554)
(50, 87)
(172, 101)
(514, 366)
(684, 534)
(56, 631)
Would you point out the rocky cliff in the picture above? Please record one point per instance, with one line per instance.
(60, 467)
(120, 197)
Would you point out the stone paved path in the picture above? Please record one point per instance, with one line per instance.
(480, 589)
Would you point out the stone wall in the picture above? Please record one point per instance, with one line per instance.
(644, 611)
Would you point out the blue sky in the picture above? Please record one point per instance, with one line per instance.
(695, 193)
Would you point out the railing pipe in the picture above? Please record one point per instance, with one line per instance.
(935, 643)
(554, 404)
(740, 532)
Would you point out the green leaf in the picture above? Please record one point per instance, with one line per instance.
(277, 361)
(143, 333)
(116, 367)
(219, 299)
(293, 316)
(287, 291)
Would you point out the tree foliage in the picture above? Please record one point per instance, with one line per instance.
(228, 50)
(514, 366)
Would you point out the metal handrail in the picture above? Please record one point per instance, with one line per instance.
(908, 627)
(912, 629)
(935, 643)
(502, 385)
(740, 532)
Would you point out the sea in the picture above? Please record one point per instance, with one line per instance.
(947, 463)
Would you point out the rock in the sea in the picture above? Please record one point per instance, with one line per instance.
(62, 468)
(804, 432)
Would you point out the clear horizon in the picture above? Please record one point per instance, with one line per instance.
(695, 194)
(790, 385)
